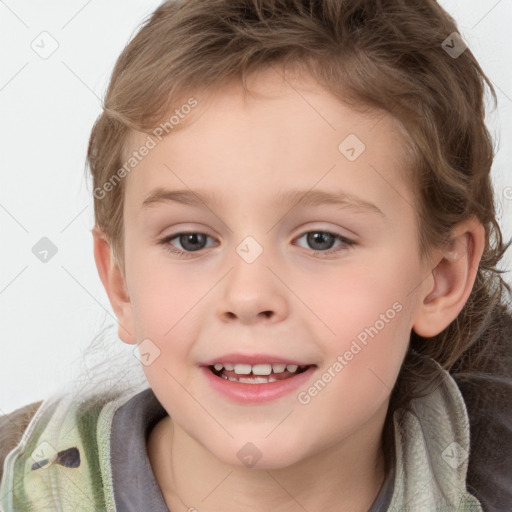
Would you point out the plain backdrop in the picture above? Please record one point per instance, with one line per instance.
(50, 311)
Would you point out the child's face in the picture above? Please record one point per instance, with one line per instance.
(349, 313)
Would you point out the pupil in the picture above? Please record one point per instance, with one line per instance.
(314, 238)
(191, 237)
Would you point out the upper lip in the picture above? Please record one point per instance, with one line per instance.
(253, 359)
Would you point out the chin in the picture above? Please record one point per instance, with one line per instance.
(259, 453)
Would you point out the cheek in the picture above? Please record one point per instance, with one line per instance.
(361, 368)
(356, 296)
(366, 314)
(162, 294)
(164, 307)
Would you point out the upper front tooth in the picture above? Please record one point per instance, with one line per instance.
(292, 367)
(242, 369)
(262, 369)
(228, 366)
(278, 368)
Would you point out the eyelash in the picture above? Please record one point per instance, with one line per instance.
(171, 249)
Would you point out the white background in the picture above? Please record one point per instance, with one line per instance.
(50, 312)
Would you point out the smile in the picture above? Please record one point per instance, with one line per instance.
(259, 383)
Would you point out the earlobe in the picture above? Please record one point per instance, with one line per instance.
(453, 279)
(115, 286)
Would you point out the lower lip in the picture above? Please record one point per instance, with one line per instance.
(256, 393)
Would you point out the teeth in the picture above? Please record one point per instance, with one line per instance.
(251, 380)
(262, 369)
(255, 380)
(242, 369)
(258, 369)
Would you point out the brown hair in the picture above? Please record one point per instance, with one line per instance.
(386, 55)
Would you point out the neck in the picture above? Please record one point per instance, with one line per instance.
(344, 477)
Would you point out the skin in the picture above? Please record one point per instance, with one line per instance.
(324, 455)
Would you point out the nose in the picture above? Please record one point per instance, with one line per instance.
(252, 293)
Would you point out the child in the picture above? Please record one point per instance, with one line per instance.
(369, 373)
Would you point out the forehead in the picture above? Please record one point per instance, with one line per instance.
(283, 132)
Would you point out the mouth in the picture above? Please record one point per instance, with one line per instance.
(258, 373)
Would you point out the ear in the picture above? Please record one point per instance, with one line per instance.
(453, 279)
(115, 285)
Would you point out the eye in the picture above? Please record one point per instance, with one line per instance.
(322, 242)
(188, 240)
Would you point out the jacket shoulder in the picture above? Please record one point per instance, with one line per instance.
(61, 443)
(12, 427)
(488, 397)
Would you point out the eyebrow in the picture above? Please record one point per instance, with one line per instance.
(301, 198)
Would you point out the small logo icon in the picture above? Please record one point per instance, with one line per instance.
(249, 455)
(454, 455)
(146, 352)
(249, 249)
(43, 455)
(352, 147)
(45, 45)
(44, 250)
(454, 45)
